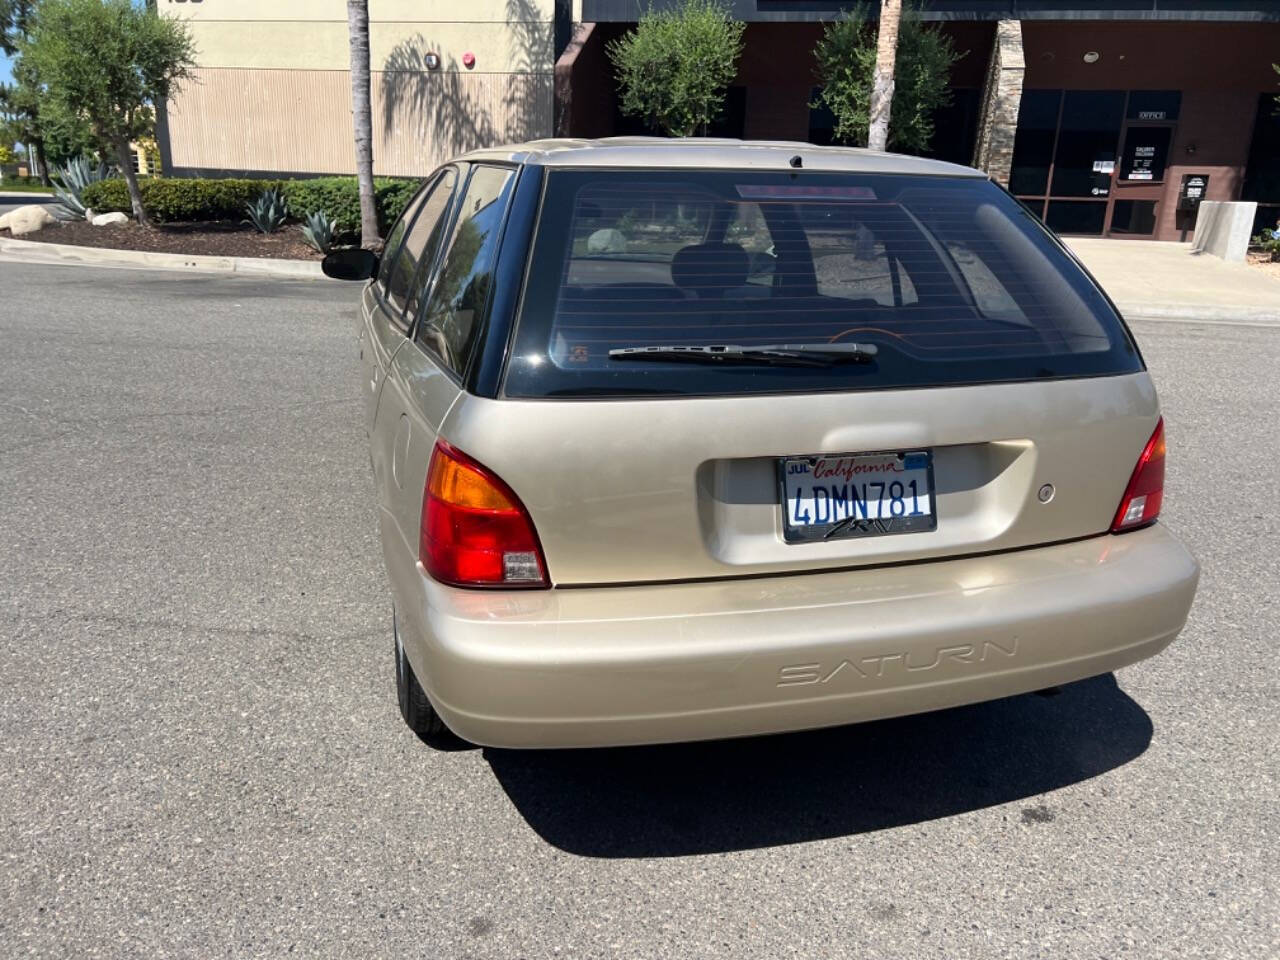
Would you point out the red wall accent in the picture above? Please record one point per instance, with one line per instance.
(1151, 56)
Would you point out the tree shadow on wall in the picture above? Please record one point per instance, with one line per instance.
(529, 95)
(440, 107)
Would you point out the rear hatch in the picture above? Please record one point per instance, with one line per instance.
(731, 373)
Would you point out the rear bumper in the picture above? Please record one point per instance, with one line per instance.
(648, 664)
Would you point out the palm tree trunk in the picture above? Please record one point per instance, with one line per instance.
(886, 59)
(131, 180)
(362, 117)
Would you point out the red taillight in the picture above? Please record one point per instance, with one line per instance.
(1141, 502)
(475, 531)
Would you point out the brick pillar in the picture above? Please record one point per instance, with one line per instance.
(998, 121)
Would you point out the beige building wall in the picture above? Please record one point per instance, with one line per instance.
(272, 92)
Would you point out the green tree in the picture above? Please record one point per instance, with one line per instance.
(28, 115)
(109, 62)
(15, 18)
(675, 66)
(18, 101)
(846, 57)
(21, 115)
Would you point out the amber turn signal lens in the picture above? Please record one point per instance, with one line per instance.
(475, 531)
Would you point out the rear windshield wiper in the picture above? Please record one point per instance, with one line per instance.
(781, 354)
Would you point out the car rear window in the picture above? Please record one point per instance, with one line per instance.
(950, 279)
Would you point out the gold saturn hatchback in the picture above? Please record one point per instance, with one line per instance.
(690, 439)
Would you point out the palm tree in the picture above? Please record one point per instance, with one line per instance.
(886, 59)
(362, 115)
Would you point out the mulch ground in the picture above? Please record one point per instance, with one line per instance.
(1263, 263)
(204, 239)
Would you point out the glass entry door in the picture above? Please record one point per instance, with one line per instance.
(1140, 181)
(1092, 162)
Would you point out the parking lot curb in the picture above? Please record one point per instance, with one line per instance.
(39, 252)
(1254, 316)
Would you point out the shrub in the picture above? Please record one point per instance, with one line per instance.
(339, 198)
(393, 196)
(180, 200)
(1269, 242)
(318, 230)
(183, 200)
(846, 57)
(269, 212)
(673, 69)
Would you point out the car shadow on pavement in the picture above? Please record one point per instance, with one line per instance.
(703, 798)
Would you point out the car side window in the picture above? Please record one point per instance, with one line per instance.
(421, 241)
(451, 319)
(391, 248)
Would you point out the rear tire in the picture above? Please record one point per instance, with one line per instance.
(419, 715)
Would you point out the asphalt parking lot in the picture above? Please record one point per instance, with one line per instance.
(200, 753)
(14, 200)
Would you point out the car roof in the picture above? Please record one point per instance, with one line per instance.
(713, 153)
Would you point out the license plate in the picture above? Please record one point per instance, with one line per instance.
(856, 495)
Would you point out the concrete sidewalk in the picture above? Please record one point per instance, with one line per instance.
(1167, 281)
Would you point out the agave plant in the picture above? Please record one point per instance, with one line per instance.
(77, 174)
(269, 212)
(318, 230)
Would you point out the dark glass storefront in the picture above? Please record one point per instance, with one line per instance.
(1262, 172)
(1094, 162)
(1115, 116)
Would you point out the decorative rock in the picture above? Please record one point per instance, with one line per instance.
(607, 241)
(4, 222)
(109, 219)
(28, 219)
(89, 214)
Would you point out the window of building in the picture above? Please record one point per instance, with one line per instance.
(1088, 137)
(1033, 142)
(822, 122)
(1262, 174)
(1146, 152)
(1077, 152)
(1137, 217)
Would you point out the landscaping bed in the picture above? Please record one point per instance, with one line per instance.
(199, 217)
(1264, 263)
(210, 239)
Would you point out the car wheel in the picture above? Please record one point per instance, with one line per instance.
(418, 713)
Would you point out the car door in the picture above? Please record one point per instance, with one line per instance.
(411, 276)
(385, 322)
(427, 375)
